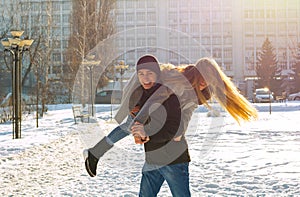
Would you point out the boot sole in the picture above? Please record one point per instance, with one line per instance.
(85, 156)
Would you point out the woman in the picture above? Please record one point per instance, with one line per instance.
(194, 85)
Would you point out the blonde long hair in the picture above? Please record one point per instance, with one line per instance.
(220, 86)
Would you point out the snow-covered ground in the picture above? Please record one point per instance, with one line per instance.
(260, 158)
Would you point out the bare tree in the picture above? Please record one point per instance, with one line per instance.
(91, 23)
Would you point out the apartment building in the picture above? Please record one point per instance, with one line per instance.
(45, 20)
(182, 31)
(231, 31)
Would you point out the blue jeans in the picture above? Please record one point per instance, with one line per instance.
(120, 131)
(176, 175)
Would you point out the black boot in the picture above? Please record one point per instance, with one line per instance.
(90, 162)
(93, 155)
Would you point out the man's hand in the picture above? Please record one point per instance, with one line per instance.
(139, 140)
(139, 133)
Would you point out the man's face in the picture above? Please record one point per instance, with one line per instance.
(147, 78)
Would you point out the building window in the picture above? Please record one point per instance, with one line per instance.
(270, 14)
(120, 17)
(151, 17)
(205, 3)
(44, 6)
(56, 6)
(205, 28)
(217, 53)
(228, 66)
(195, 4)
(56, 44)
(173, 4)
(227, 15)
(195, 28)
(56, 57)
(151, 4)
(66, 31)
(184, 41)
(56, 19)
(65, 44)
(35, 6)
(173, 17)
(129, 4)
(282, 27)
(248, 4)
(248, 14)
(141, 4)
(141, 31)
(130, 42)
(56, 31)
(281, 13)
(292, 4)
(151, 31)
(271, 27)
(66, 5)
(141, 16)
(24, 19)
(259, 27)
(248, 28)
(141, 42)
(152, 42)
(228, 53)
(130, 17)
(227, 40)
(292, 14)
(259, 14)
(44, 19)
(206, 40)
(227, 28)
(216, 28)
(66, 18)
(173, 41)
(56, 69)
(184, 28)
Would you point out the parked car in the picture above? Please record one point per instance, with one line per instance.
(294, 97)
(26, 100)
(263, 95)
(108, 97)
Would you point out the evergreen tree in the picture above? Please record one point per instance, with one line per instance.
(296, 69)
(266, 67)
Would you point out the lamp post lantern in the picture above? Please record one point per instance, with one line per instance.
(122, 68)
(16, 46)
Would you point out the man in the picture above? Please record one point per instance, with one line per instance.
(166, 158)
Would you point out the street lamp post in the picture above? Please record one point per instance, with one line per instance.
(90, 63)
(270, 107)
(16, 46)
(90, 67)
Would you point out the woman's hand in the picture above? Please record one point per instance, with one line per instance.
(177, 139)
